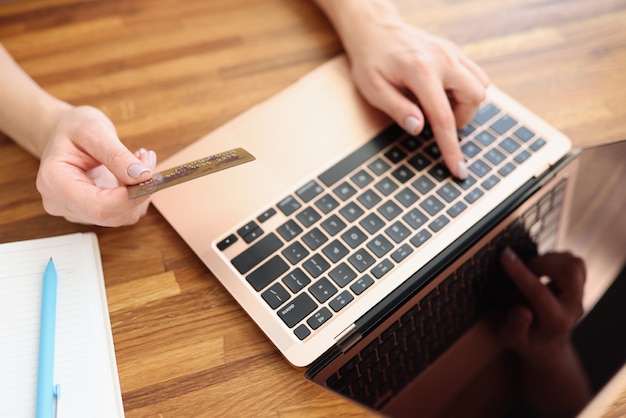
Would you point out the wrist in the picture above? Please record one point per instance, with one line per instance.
(354, 19)
(49, 111)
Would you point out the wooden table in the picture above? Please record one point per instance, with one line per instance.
(169, 71)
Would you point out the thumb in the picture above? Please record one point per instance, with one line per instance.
(127, 167)
(98, 138)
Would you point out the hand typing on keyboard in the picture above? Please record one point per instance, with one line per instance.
(409, 74)
(553, 381)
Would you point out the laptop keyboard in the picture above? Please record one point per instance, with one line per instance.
(427, 328)
(348, 227)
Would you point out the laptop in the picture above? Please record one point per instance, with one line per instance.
(345, 230)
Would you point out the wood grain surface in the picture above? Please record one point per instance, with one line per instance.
(169, 71)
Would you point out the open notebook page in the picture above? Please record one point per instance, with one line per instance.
(85, 365)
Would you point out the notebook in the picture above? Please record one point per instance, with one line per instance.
(343, 221)
(85, 365)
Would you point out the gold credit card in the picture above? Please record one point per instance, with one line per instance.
(190, 171)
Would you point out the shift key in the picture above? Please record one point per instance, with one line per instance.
(248, 259)
(297, 309)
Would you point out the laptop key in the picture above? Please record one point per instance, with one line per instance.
(432, 205)
(296, 310)
(389, 210)
(537, 144)
(288, 205)
(295, 252)
(369, 199)
(456, 209)
(380, 246)
(465, 183)
(470, 149)
(333, 225)
(342, 275)
(415, 218)
(401, 253)
(316, 265)
(386, 186)
(382, 268)
(439, 223)
(485, 113)
(397, 232)
(335, 251)
(323, 290)
(395, 155)
(362, 178)
(319, 318)
(378, 166)
(503, 124)
(490, 182)
(326, 203)
(302, 331)
(439, 172)
(354, 236)
(474, 195)
(289, 230)
(524, 134)
(485, 138)
(267, 273)
(406, 197)
(314, 238)
(275, 296)
(480, 168)
(362, 284)
(423, 184)
(339, 302)
(351, 212)
(403, 174)
(344, 191)
(361, 260)
(308, 216)
(522, 156)
(509, 145)
(361, 155)
(448, 192)
(433, 151)
(309, 191)
(258, 252)
(494, 156)
(420, 238)
(296, 280)
(227, 242)
(411, 143)
(419, 162)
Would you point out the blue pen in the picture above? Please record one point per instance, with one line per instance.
(46, 390)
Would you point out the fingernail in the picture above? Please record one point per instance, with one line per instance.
(508, 254)
(152, 159)
(412, 125)
(136, 170)
(461, 170)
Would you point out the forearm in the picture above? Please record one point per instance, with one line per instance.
(351, 18)
(558, 388)
(27, 113)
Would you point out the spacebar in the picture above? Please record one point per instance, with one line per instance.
(360, 155)
(248, 259)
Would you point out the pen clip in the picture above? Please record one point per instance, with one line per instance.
(56, 393)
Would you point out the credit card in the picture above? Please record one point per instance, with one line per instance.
(189, 171)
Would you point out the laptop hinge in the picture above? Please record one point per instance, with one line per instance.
(347, 338)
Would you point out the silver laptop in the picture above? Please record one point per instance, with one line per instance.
(344, 226)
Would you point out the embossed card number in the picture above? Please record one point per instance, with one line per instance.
(190, 171)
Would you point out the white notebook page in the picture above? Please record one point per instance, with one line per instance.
(85, 365)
